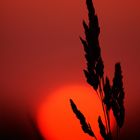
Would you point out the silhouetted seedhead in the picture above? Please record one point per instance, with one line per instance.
(85, 126)
(93, 19)
(95, 66)
(117, 88)
(118, 96)
(103, 130)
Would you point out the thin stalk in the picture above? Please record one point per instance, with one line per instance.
(106, 113)
(103, 106)
(100, 98)
(95, 138)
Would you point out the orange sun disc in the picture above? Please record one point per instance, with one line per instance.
(56, 119)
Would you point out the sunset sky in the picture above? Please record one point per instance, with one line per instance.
(40, 51)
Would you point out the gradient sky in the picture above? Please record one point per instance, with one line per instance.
(40, 50)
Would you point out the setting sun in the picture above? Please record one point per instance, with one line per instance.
(56, 119)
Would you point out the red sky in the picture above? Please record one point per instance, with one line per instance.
(40, 49)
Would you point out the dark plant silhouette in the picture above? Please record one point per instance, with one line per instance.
(85, 126)
(111, 96)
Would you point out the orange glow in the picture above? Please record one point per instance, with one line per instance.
(56, 119)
